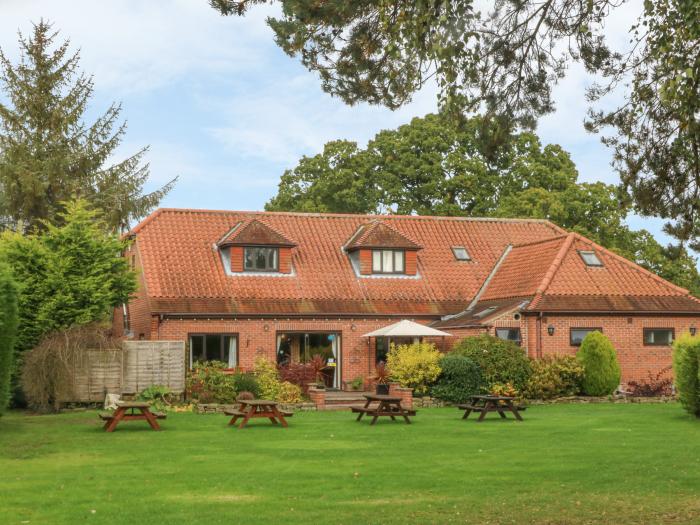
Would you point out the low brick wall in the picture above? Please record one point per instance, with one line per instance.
(318, 398)
(406, 394)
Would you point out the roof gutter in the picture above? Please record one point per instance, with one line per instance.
(240, 315)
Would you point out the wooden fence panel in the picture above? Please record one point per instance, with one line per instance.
(129, 370)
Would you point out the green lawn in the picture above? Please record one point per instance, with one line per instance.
(564, 464)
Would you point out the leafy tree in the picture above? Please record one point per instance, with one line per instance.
(656, 131)
(429, 166)
(383, 51)
(8, 330)
(333, 181)
(48, 154)
(601, 370)
(71, 274)
(506, 61)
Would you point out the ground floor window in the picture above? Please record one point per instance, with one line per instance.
(658, 336)
(509, 334)
(381, 346)
(577, 334)
(214, 347)
(294, 347)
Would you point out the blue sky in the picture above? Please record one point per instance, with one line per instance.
(225, 110)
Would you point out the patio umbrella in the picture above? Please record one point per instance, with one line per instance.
(407, 328)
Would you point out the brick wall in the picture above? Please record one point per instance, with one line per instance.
(236, 253)
(411, 262)
(285, 262)
(138, 308)
(626, 335)
(365, 262)
(624, 331)
(258, 337)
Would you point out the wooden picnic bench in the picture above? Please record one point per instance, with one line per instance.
(255, 408)
(388, 406)
(486, 404)
(120, 414)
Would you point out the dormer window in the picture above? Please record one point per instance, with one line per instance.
(590, 258)
(260, 259)
(461, 253)
(388, 261)
(252, 246)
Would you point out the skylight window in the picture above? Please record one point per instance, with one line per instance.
(461, 253)
(590, 258)
(485, 312)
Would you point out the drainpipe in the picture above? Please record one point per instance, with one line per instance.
(538, 351)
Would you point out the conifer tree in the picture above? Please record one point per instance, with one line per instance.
(49, 154)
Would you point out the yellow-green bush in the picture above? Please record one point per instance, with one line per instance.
(268, 378)
(554, 376)
(414, 366)
(686, 369)
(289, 393)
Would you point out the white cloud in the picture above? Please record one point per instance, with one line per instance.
(132, 46)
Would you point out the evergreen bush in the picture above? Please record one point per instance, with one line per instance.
(599, 360)
(460, 378)
(500, 361)
(8, 330)
(686, 369)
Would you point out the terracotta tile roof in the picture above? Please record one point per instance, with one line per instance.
(377, 234)
(184, 273)
(523, 269)
(554, 276)
(254, 232)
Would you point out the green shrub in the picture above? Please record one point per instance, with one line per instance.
(599, 360)
(460, 378)
(246, 382)
(158, 395)
(686, 369)
(500, 361)
(207, 383)
(8, 330)
(554, 376)
(414, 366)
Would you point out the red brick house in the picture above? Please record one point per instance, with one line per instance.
(287, 286)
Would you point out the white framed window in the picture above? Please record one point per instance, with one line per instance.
(388, 261)
(260, 259)
(658, 336)
(214, 347)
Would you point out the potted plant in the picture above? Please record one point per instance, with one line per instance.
(381, 377)
(357, 383)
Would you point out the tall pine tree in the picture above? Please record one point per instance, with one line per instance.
(48, 154)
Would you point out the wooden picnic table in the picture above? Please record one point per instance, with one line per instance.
(253, 408)
(120, 414)
(386, 406)
(486, 404)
